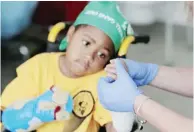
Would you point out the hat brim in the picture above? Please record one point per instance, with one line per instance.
(63, 44)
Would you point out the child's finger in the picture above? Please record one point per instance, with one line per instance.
(112, 61)
(110, 66)
(111, 70)
(113, 76)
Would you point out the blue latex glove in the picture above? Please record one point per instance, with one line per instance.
(119, 95)
(28, 115)
(141, 73)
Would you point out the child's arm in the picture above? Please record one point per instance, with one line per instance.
(27, 84)
(110, 127)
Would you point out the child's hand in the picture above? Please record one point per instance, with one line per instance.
(141, 73)
(109, 93)
(111, 69)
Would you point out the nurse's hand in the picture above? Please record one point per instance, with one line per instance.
(120, 94)
(141, 73)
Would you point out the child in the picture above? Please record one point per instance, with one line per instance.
(90, 43)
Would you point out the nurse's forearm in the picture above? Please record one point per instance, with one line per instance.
(162, 118)
(176, 80)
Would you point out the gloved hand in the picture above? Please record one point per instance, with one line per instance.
(119, 95)
(28, 115)
(141, 73)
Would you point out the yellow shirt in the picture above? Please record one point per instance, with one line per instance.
(39, 73)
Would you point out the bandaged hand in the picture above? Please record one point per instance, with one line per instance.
(141, 73)
(28, 115)
(118, 95)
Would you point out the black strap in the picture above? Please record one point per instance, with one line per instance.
(1, 114)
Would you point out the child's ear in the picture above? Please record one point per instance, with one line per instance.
(70, 33)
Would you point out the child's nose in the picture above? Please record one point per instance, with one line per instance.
(89, 58)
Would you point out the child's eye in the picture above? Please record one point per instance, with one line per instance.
(86, 43)
(101, 55)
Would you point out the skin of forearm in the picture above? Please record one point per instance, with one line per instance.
(110, 128)
(162, 118)
(176, 80)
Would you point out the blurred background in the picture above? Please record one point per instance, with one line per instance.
(25, 28)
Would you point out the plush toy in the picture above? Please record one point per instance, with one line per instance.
(28, 115)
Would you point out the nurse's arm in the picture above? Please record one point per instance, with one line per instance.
(176, 80)
(162, 118)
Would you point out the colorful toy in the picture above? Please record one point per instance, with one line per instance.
(52, 105)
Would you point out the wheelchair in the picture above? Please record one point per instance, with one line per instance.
(58, 32)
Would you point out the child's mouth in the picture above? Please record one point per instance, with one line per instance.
(82, 65)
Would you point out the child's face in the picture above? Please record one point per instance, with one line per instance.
(88, 51)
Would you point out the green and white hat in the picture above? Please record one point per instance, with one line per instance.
(104, 15)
